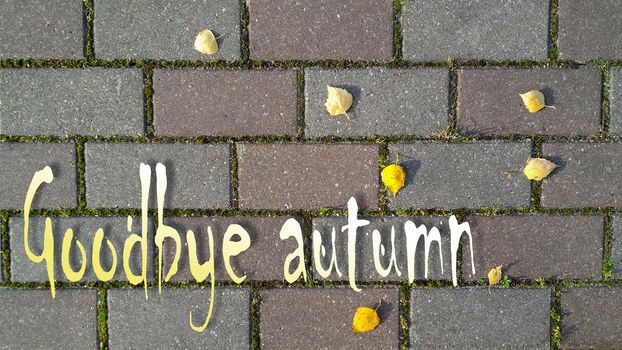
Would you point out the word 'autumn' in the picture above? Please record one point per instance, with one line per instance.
(236, 240)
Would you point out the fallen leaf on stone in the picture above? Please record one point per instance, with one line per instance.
(338, 102)
(206, 42)
(365, 319)
(534, 101)
(393, 176)
(494, 276)
(538, 168)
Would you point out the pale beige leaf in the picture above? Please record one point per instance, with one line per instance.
(338, 101)
(206, 42)
(538, 168)
(494, 276)
(534, 100)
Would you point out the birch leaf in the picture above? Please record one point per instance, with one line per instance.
(494, 276)
(393, 176)
(338, 102)
(365, 319)
(538, 168)
(206, 42)
(534, 100)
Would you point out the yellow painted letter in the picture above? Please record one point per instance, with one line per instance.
(69, 272)
(232, 248)
(164, 231)
(291, 228)
(201, 271)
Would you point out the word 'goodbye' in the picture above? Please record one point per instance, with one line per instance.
(236, 240)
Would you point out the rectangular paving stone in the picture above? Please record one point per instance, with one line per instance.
(535, 246)
(162, 322)
(386, 101)
(198, 175)
(589, 30)
(194, 102)
(434, 30)
(60, 102)
(152, 29)
(615, 101)
(84, 228)
(35, 29)
(588, 175)
(307, 176)
(365, 267)
(320, 30)
(31, 319)
(473, 318)
(323, 318)
(263, 261)
(590, 318)
(616, 246)
(489, 101)
(462, 175)
(20, 161)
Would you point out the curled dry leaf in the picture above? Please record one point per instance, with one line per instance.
(365, 319)
(393, 176)
(494, 276)
(206, 42)
(338, 102)
(538, 168)
(534, 100)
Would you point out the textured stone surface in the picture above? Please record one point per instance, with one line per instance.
(473, 318)
(535, 246)
(365, 267)
(35, 29)
(153, 29)
(590, 318)
(385, 101)
(615, 101)
(483, 29)
(162, 321)
(92, 101)
(224, 102)
(307, 176)
(588, 175)
(489, 101)
(263, 261)
(589, 30)
(469, 175)
(198, 174)
(20, 161)
(31, 319)
(84, 228)
(321, 29)
(616, 247)
(324, 318)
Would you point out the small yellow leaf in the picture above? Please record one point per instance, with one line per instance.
(338, 102)
(365, 319)
(538, 168)
(206, 42)
(533, 100)
(494, 276)
(393, 176)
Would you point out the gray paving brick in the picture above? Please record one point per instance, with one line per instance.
(321, 29)
(162, 321)
(489, 101)
(477, 319)
(324, 318)
(20, 161)
(386, 101)
(307, 176)
(482, 29)
(35, 29)
(588, 175)
(152, 29)
(616, 246)
(263, 261)
(84, 228)
(589, 30)
(225, 102)
(198, 175)
(615, 101)
(536, 246)
(92, 101)
(462, 175)
(31, 319)
(590, 318)
(365, 268)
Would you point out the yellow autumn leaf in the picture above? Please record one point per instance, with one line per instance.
(365, 319)
(534, 100)
(538, 168)
(338, 102)
(393, 176)
(494, 276)
(206, 42)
